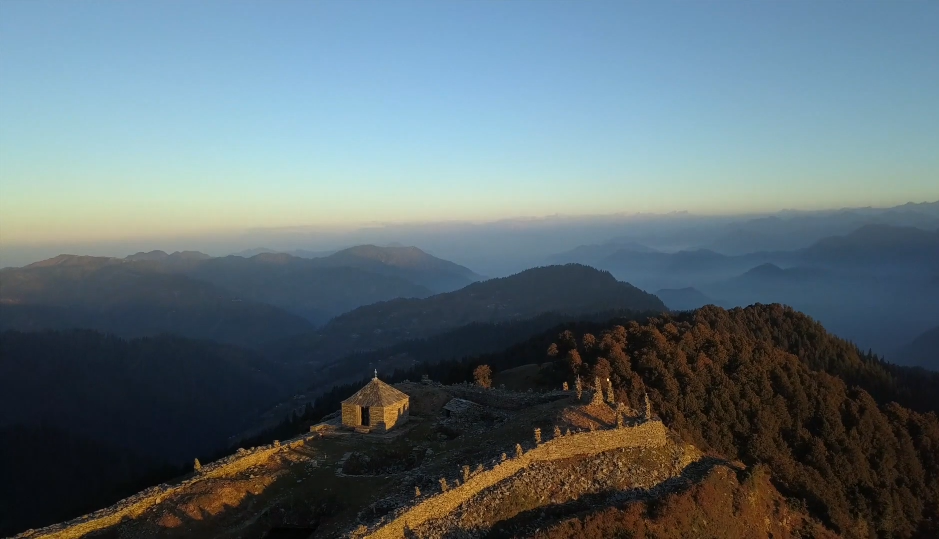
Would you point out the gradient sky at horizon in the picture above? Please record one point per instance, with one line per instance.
(171, 117)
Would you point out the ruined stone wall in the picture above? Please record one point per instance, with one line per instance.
(648, 434)
(135, 505)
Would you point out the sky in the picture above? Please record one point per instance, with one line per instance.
(148, 119)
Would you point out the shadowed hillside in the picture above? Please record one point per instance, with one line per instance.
(132, 300)
(303, 286)
(409, 263)
(571, 290)
(166, 397)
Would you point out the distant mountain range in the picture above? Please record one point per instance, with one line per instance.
(232, 299)
(877, 284)
(570, 289)
(788, 231)
(132, 299)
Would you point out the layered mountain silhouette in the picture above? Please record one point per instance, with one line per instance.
(232, 299)
(305, 287)
(878, 246)
(408, 263)
(132, 299)
(571, 289)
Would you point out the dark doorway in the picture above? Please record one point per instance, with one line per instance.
(365, 415)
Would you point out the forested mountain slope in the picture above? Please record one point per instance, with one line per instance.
(768, 385)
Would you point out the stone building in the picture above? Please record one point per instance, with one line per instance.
(377, 407)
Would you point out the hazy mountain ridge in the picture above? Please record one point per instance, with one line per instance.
(302, 286)
(409, 263)
(851, 282)
(923, 351)
(571, 289)
(230, 299)
(131, 300)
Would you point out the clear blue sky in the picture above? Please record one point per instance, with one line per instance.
(149, 118)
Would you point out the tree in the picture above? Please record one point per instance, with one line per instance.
(483, 376)
(574, 360)
(553, 350)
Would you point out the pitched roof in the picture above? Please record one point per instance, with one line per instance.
(376, 393)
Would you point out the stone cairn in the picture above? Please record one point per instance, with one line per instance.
(557, 431)
(537, 436)
(417, 492)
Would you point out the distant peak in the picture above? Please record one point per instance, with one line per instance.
(72, 260)
(151, 255)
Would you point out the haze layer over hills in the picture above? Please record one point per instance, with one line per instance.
(212, 353)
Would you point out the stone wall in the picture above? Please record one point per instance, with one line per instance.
(135, 505)
(648, 434)
(392, 415)
(351, 415)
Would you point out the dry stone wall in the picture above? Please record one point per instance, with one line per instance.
(648, 434)
(137, 504)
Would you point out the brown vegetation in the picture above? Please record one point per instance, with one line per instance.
(719, 506)
(728, 382)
